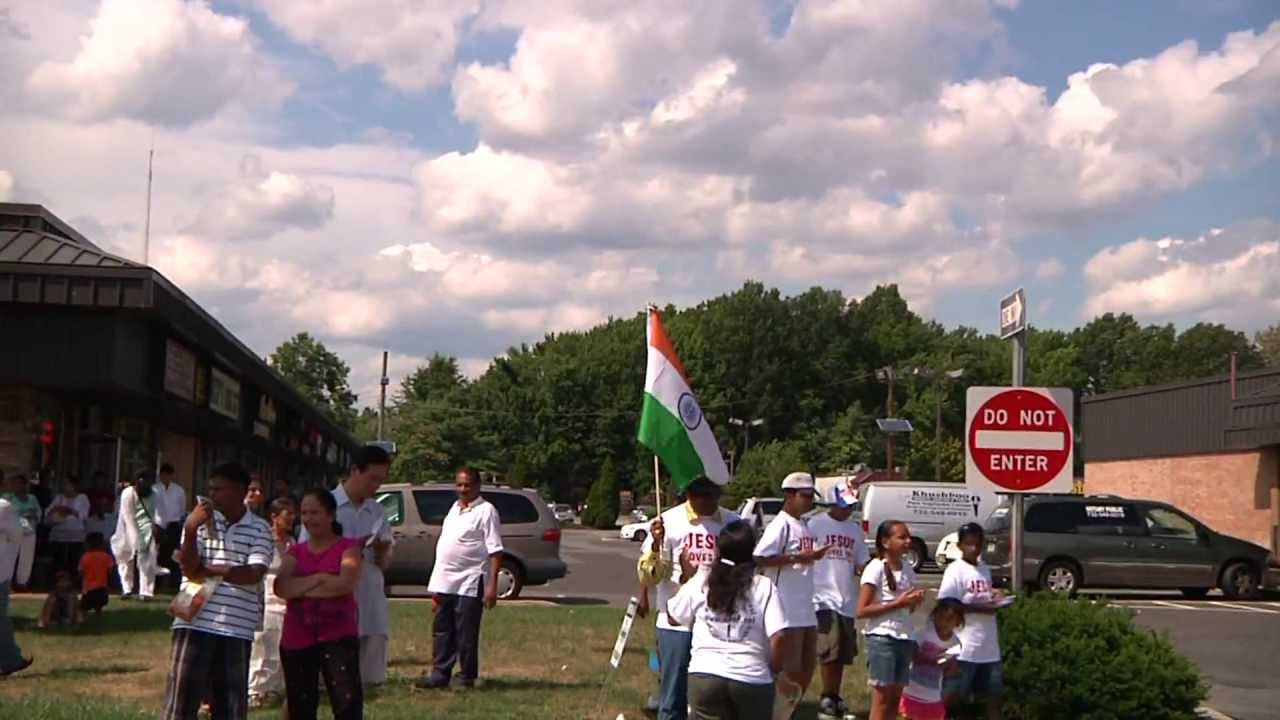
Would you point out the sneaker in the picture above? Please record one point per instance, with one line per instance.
(431, 682)
(829, 708)
(26, 663)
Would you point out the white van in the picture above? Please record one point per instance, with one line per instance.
(931, 510)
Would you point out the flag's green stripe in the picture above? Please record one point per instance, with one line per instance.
(663, 433)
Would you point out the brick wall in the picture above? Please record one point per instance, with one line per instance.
(1234, 493)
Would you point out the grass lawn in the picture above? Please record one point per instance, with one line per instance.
(536, 662)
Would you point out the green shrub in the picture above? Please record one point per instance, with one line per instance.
(1084, 660)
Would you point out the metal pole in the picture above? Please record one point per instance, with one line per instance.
(1015, 557)
(382, 400)
(888, 438)
(146, 233)
(657, 486)
(937, 440)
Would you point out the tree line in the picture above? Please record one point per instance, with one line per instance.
(812, 368)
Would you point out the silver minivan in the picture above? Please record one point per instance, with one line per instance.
(530, 534)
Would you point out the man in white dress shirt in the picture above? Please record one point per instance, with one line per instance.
(361, 516)
(171, 508)
(464, 581)
(11, 660)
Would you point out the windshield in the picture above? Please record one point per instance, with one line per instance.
(998, 521)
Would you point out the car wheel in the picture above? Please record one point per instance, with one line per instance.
(1061, 577)
(639, 536)
(915, 555)
(1195, 593)
(1240, 581)
(510, 580)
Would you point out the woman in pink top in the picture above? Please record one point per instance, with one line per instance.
(318, 579)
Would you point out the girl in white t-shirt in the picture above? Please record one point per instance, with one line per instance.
(733, 613)
(937, 645)
(885, 602)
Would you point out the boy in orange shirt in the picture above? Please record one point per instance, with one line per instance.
(95, 568)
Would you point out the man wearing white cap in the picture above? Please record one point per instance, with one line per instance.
(787, 554)
(835, 585)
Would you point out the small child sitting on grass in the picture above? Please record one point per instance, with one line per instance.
(62, 607)
(95, 570)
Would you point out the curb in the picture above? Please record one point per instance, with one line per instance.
(1208, 713)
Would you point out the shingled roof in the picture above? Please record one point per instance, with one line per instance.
(31, 234)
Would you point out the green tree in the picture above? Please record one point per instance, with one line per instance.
(603, 503)
(439, 379)
(762, 469)
(1205, 349)
(1268, 344)
(319, 375)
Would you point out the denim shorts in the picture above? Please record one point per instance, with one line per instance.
(981, 680)
(888, 660)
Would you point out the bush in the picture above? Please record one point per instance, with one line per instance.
(602, 502)
(1085, 660)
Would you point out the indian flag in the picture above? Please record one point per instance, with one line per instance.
(672, 424)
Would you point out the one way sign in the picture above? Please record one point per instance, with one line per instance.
(1013, 314)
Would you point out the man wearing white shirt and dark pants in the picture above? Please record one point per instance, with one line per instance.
(691, 530)
(464, 581)
(171, 508)
(11, 660)
(361, 516)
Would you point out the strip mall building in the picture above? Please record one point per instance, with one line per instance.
(107, 366)
(1210, 447)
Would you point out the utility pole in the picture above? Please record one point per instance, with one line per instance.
(146, 232)
(890, 376)
(382, 400)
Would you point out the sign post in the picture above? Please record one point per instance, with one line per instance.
(1019, 440)
(1013, 324)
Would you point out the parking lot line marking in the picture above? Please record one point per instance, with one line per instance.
(1180, 606)
(1250, 608)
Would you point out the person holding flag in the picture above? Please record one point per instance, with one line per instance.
(672, 425)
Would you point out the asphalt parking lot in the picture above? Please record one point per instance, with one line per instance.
(1235, 643)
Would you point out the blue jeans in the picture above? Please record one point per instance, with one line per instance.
(673, 662)
(10, 655)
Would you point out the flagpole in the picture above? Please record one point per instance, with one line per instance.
(657, 486)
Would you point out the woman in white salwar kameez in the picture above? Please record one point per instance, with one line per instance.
(134, 541)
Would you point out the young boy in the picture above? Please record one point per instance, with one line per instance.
(95, 571)
(968, 580)
(62, 605)
(835, 593)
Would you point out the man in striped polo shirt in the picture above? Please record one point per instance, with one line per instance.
(210, 653)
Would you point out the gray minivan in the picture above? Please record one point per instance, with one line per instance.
(1072, 542)
(530, 534)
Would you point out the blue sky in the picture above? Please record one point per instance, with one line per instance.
(464, 176)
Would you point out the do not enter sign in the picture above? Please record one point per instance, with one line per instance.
(1019, 439)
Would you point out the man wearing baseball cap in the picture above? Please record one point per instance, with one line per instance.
(689, 529)
(835, 592)
(786, 554)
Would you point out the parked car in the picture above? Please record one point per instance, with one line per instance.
(759, 512)
(636, 531)
(1073, 542)
(564, 513)
(931, 510)
(948, 551)
(530, 534)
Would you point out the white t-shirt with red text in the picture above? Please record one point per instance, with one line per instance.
(927, 668)
(835, 576)
(698, 537)
(788, 535)
(971, 585)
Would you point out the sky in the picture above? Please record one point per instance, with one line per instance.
(462, 176)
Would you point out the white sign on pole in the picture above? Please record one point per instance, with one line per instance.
(1019, 439)
(1013, 314)
(624, 632)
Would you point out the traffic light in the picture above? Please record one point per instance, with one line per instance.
(46, 432)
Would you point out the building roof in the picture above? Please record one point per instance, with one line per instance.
(44, 261)
(1201, 416)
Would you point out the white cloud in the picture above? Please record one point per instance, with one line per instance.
(411, 42)
(1050, 270)
(259, 204)
(1230, 276)
(170, 62)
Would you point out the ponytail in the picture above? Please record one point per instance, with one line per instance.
(337, 528)
(734, 570)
